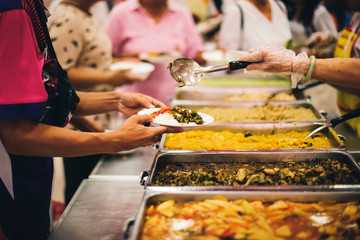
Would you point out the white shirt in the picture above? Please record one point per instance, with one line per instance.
(257, 30)
(323, 22)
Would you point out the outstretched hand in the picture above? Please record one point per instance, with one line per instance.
(132, 103)
(133, 133)
(276, 59)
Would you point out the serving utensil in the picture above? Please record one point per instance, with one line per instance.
(299, 88)
(336, 121)
(187, 72)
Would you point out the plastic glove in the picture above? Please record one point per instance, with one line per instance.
(275, 59)
(319, 39)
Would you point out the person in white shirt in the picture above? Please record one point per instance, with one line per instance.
(250, 23)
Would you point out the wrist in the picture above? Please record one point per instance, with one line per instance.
(311, 68)
(301, 66)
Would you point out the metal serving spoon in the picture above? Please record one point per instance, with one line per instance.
(336, 121)
(187, 72)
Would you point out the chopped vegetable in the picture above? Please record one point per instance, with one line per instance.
(181, 115)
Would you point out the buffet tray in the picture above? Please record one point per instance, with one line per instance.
(162, 159)
(204, 93)
(266, 128)
(153, 197)
(189, 104)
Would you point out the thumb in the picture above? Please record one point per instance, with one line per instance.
(143, 118)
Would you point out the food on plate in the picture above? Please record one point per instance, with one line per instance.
(156, 54)
(261, 96)
(177, 115)
(229, 140)
(266, 113)
(219, 218)
(314, 172)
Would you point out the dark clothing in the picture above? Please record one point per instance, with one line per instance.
(25, 196)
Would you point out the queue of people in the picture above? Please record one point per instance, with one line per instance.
(63, 69)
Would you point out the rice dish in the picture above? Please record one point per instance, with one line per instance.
(266, 113)
(228, 140)
(168, 119)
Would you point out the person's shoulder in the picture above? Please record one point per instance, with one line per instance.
(280, 4)
(6, 5)
(124, 6)
(178, 7)
(320, 10)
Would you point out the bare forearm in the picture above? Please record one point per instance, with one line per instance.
(342, 73)
(30, 138)
(82, 79)
(97, 102)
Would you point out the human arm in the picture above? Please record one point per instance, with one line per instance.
(30, 138)
(341, 73)
(100, 102)
(85, 124)
(85, 78)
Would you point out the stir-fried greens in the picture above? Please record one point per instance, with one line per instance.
(181, 115)
(314, 172)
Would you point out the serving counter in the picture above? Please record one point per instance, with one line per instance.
(112, 195)
(100, 209)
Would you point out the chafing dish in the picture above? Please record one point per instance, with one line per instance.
(189, 104)
(268, 128)
(153, 198)
(221, 94)
(193, 160)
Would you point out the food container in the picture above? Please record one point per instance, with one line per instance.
(267, 129)
(153, 198)
(240, 78)
(319, 117)
(210, 161)
(221, 94)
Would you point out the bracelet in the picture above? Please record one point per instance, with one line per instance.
(311, 68)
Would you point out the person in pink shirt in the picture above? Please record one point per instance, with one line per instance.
(158, 26)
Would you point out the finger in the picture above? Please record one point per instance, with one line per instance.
(141, 119)
(256, 66)
(174, 129)
(123, 71)
(155, 103)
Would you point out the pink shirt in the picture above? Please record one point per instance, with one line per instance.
(22, 92)
(132, 30)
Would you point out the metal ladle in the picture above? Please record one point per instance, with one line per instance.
(335, 121)
(187, 72)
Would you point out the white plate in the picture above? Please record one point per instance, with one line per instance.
(159, 57)
(207, 120)
(139, 70)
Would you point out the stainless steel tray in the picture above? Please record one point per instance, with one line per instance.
(203, 93)
(162, 159)
(153, 197)
(266, 128)
(196, 104)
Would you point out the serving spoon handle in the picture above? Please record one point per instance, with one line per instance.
(234, 65)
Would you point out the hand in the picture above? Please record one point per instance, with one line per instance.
(276, 59)
(319, 39)
(120, 77)
(132, 103)
(133, 134)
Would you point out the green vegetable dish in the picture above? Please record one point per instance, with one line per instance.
(186, 115)
(315, 172)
